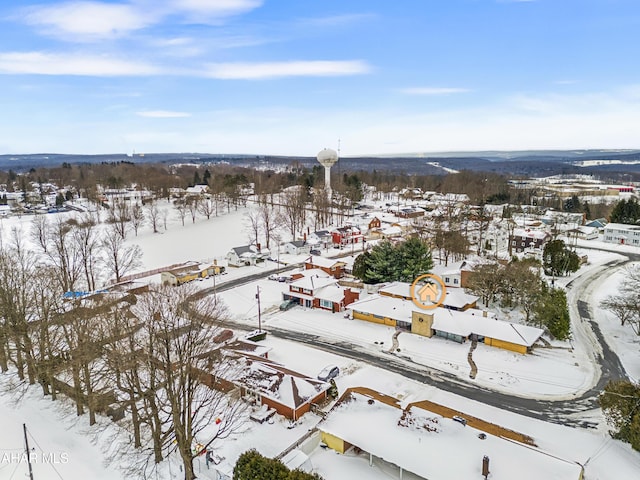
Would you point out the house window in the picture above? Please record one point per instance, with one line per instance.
(446, 279)
(326, 304)
(455, 281)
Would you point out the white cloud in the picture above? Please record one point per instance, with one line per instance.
(88, 20)
(94, 20)
(162, 114)
(433, 90)
(43, 63)
(315, 68)
(215, 8)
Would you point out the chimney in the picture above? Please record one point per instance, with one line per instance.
(304, 237)
(258, 247)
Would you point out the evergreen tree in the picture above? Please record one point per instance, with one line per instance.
(253, 466)
(552, 312)
(620, 403)
(384, 265)
(626, 211)
(558, 260)
(415, 259)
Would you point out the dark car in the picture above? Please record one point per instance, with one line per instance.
(315, 252)
(328, 372)
(287, 304)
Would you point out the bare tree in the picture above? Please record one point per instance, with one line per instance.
(207, 207)
(295, 213)
(193, 206)
(153, 213)
(119, 258)
(87, 245)
(191, 369)
(137, 218)
(269, 218)
(181, 208)
(253, 221)
(120, 216)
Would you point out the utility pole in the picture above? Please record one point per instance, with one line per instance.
(26, 446)
(259, 317)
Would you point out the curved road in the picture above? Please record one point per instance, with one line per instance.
(556, 411)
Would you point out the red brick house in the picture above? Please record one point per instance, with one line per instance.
(316, 289)
(347, 235)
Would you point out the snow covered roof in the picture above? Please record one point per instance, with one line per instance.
(324, 262)
(275, 381)
(621, 226)
(313, 279)
(435, 447)
(529, 233)
(455, 297)
(451, 321)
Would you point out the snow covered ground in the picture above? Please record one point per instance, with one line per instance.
(548, 373)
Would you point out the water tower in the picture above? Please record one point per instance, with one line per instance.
(327, 158)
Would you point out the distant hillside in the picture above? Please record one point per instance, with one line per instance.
(525, 163)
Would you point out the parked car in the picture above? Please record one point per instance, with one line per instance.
(287, 304)
(315, 252)
(459, 419)
(283, 279)
(273, 276)
(328, 372)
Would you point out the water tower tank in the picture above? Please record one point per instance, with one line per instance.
(327, 157)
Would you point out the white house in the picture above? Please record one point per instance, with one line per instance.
(622, 234)
(297, 247)
(244, 255)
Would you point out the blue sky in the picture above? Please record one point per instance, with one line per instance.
(291, 77)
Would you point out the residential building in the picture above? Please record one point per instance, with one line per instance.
(188, 273)
(316, 289)
(245, 255)
(297, 247)
(347, 235)
(333, 267)
(622, 234)
(436, 442)
(321, 239)
(528, 239)
(459, 326)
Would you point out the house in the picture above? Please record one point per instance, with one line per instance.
(321, 239)
(316, 289)
(527, 239)
(347, 235)
(333, 267)
(448, 323)
(622, 234)
(188, 273)
(435, 442)
(584, 233)
(197, 190)
(245, 255)
(271, 384)
(455, 298)
(374, 223)
(599, 223)
(297, 247)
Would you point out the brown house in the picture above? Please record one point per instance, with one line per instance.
(332, 267)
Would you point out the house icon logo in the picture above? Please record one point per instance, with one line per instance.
(428, 291)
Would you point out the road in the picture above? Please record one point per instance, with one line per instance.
(555, 411)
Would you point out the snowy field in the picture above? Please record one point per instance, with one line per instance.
(549, 373)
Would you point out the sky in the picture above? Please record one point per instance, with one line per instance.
(291, 77)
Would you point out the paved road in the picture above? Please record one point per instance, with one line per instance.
(556, 411)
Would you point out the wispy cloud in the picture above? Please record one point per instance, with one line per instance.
(162, 114)
(44, 63)
(88, 20)
(94, 20)
(339, 20)
(266, 70)
(433, 90)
